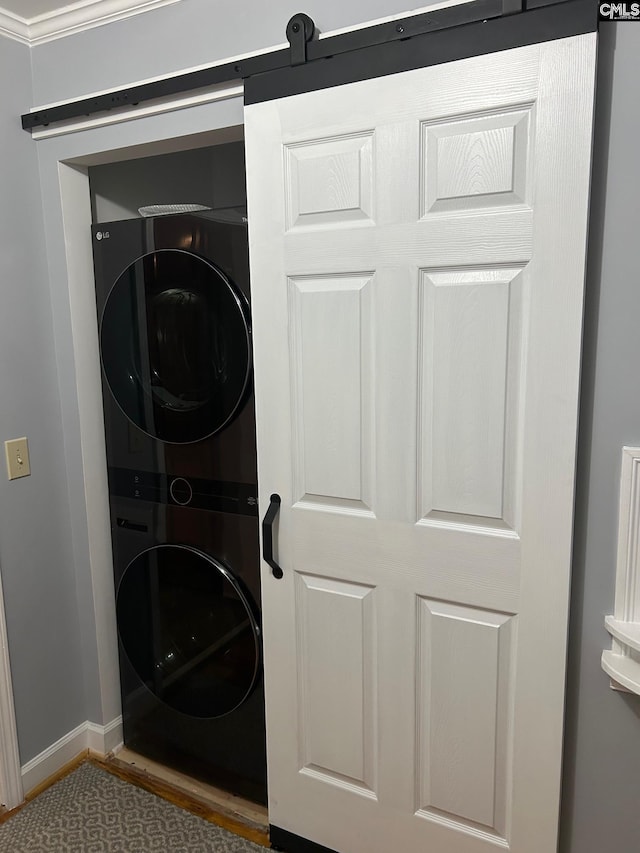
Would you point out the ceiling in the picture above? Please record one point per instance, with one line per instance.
(35, 21)
(31, 8)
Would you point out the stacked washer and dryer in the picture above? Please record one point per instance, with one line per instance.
(175, 343)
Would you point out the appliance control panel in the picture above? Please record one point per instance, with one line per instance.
(213, 495)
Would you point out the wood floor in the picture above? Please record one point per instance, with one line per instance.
(232, 813)
(34, 792)
(240, 816)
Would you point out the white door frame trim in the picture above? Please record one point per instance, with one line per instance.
(11, 791)
(64, 170)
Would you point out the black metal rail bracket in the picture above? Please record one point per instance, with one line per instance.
(416, 41)
(512, 7)
(300, 30)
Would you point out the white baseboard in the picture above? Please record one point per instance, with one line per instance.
(105, 739)
(100, 739)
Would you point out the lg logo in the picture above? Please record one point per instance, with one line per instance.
(102, 235)
(620, 11)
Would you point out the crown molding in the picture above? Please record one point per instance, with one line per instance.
(14, 27)
(72, 19)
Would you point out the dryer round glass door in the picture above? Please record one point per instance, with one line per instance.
(189, 630)
(175, 341)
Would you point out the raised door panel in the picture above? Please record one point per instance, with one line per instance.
(465, 660)
(471, 374)
(330, 328)
(476, 161)
(337, 679)
(330, 181)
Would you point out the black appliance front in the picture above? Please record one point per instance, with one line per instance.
(175, 344)
(189, 640)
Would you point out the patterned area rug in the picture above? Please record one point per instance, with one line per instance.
(91, 811)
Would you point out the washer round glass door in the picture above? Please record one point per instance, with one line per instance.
(175, 341)
(188, 629)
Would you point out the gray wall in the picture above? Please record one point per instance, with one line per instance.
(35, 557)
(602, 778)
(119, 189)
(213, 176)
(183, 35)
(601, 792)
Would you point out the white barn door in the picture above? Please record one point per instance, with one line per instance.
(417, 252)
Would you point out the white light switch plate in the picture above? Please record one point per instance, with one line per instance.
(17, 453)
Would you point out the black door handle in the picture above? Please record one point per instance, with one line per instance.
(267, 535)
